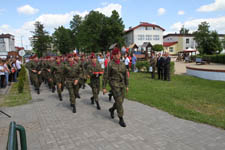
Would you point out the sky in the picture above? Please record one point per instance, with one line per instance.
(17, 17)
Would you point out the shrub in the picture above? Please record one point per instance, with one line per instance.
(215, 58)
(22, 78)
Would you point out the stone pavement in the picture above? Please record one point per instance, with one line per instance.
(51, 125)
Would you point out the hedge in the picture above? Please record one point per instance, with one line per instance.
(143, 66)
(215, 58)
(21, 78)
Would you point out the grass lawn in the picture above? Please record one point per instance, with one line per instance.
(14, 98)
(186, 97)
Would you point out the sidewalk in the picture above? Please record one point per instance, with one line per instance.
(51, 125)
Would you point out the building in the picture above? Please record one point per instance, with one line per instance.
(144, 33)
(7, 44)
(174, 43)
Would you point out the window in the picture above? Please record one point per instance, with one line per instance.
(171, 49)
(1, 40)
(187, 41)
(149, 28)
(141, 28)
(141, 37)
(155, 37)
(148, 37)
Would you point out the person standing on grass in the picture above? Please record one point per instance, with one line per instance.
(159, 66)
(134, 60)
(116, 75)
(167, 67)
(153, 61)
(127, 61)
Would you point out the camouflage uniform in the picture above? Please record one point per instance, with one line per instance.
(71, 72)
(95, 71)
(116, 74)
(58, 77)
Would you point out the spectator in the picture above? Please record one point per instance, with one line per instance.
(2, 74)
(159, 65)
(18, 66)
(127, 61)
(101, 61)
(153, 61)
(14, 70)
(167, 67)
(134, 60)
(7, 71)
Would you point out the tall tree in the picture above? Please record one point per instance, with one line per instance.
(40, 40)
(184, 30)
(74, 26)
(62, 39)
(157, 47)
(207, 42)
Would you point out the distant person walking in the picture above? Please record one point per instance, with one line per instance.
(134, 60)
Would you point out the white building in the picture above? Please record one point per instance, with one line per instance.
(7, 44)
(144, 32)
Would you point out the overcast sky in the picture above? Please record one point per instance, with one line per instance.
(18, 16)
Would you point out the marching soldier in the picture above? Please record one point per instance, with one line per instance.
(71, 72)
(57, 70)
(84, 72)
(118, 80)
(94, 72)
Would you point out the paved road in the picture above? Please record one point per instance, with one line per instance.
(51, 125)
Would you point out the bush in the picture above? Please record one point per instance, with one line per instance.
(22, 78)
(172, 67)
(215, 58)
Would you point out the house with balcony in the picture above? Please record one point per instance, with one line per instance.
(144, 33)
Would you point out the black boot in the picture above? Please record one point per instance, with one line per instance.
(92, 100)
(71, 105)
(110, 97)
(60, 97)
(53, 89)
(98, 106)
(38, 91)
(78, 95)
(74, 108)
(83, 87)
(111, 110)
(121, 122)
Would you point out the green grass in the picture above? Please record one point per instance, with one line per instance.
(186, 97)
(14, 98)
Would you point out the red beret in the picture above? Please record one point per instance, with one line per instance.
(116, 51)
(93, 56)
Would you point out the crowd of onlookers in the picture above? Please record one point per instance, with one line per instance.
(9, 71)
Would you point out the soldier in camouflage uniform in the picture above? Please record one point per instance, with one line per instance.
(116, 74)
(57, 70)
(49, 64)
(71, 72)
(84, 71)
(94, 72)
(79, 64)
(35, 67)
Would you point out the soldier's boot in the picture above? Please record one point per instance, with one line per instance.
(77, 95)
(71, 105)
(121, 122)
(110, 97)
(98, 106)
(53, 89)
(60, 97)
(38, 91)
(92, 100)
(83, 87)
(111, 110)
(74, 108)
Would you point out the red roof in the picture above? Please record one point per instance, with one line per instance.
(145, 24)
(168, 44)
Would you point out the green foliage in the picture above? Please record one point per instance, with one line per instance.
(208, 42)
(62, 39)
(40, 40)
(22, 78)
(184, 30)
(97, 32)
(215, 58)
(74, 26)
(157, 47)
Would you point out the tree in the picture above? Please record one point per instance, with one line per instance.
(184, 30)
(40, 40)
(62, 39)
(74, 26)
(157, 47)
(207, 42)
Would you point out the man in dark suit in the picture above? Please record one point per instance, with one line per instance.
(159, 65)
(167, 67)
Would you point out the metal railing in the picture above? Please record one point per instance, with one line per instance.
(12, 137)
